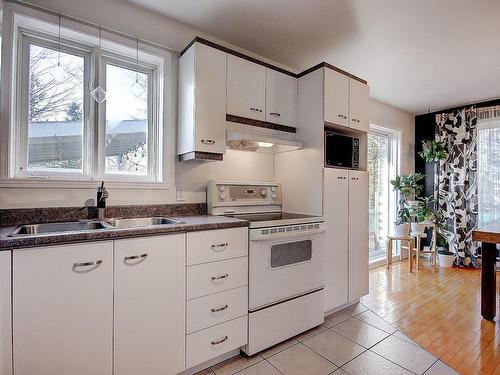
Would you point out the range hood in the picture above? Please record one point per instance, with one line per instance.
(256, 139)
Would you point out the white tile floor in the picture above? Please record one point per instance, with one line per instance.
(353, 341)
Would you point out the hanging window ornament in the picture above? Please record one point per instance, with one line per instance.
(99, 94)
(137, 89)
(58, 73)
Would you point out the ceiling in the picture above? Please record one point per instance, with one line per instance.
(415, 54)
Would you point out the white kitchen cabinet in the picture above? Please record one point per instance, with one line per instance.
(5, 314)
(336, 209)
(346, 101)
(336, 97)
(281, 98)
(358, 105)
(202, 100)
(358, 235)
(63, 309)
(246, 88)
(149, 303)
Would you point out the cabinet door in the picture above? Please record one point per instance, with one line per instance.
(336, 213)
(63, 309)
(336, 107)
(246, 88)
(358, 105)
(150, 305)
(5, 314)
(358, 235)
(281, 98)
(210, 102)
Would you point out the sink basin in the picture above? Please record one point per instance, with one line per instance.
(142, 222)
(72, 226)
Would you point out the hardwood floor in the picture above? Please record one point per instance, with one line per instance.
(441, 310)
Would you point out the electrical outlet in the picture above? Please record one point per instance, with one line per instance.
(180, 196)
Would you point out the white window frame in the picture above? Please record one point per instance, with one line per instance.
(155, 134)
(18, 16)
(25, 40)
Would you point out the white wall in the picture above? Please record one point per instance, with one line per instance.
(391, 117)
(191, 177)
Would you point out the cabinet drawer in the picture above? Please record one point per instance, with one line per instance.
(217, 308)
(214, 341)
(209, 278)
(213, 245)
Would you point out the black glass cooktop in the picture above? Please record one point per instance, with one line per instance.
(272, 216)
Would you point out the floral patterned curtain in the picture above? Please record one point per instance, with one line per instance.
(456, 182)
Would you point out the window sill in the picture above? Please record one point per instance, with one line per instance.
(19, 183)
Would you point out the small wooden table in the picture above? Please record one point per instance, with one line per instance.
(409, 239)
(489, 236)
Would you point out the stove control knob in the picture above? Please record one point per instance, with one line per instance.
(222, 196)
(222, 188)
(274, 196)
(263, 192)
(273, 189)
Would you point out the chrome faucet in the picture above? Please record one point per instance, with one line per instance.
(102, 195)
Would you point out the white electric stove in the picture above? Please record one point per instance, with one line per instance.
(285, 261)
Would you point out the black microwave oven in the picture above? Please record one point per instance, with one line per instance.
(341, 151)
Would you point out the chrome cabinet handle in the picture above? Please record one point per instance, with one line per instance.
(132, 257)
(341, 178)
(207, 141)
(217, 309)
(255, 109)
(220, 341)
(355, 120)
(86, 264)
(225, 276)
(342, 116)
(275, 114)
(220, 246)
(354, 178)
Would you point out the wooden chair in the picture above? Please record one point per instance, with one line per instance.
(409, 240)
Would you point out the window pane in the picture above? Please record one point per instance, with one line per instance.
(378, 172)
(126, 121)
(489, 175)
(55, 110)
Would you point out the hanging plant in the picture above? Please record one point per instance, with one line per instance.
(432, 151)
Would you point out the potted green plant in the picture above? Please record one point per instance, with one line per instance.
(445, 256)
(424, 213)
(432, 151)
(409, 189)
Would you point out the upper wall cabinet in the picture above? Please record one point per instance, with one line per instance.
(246, 88)
(281, 98)
(336, 98)
(346, 101)
(358, 102)
(202, 102)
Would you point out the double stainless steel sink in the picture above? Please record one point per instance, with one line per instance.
(90, 225)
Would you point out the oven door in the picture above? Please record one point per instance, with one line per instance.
(284, 266)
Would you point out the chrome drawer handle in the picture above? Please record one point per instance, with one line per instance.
(133, 257)
(275, 114)
(255, 109)
(220, 246)
(86, 264)
(220, 341)
(222, 308)
(355, 120)
(225, 276)
(208, 141)
(342, 116)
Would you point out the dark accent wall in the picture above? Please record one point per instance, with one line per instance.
(424, 130)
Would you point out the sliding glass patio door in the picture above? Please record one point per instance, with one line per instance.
(382, 167)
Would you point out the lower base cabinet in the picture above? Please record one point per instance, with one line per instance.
(149, 331)
(5, 314)
(63, 309)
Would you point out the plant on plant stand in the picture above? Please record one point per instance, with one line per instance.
(433, 152)
(409, 189)
(424, 214)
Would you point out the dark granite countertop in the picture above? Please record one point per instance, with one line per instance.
(191, 224)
